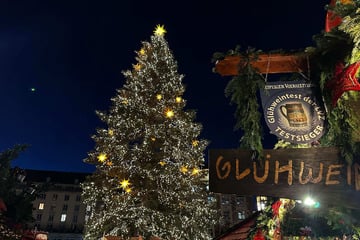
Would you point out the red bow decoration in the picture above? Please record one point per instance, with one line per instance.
(344, 80)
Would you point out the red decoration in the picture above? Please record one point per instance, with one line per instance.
(259, 235)
(275, 208)
(332, 20)
(344, 80)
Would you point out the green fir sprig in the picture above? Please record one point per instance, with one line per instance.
(242, 90)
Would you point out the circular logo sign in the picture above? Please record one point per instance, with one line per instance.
(292, 112)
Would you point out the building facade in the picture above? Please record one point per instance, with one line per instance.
(233, 209)
(59, 209)
(60, 212)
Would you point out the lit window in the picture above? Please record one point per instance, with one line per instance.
(261, 202)
(41, 206)
(241, 215)
(63, 218)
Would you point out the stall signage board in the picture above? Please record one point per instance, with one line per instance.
(289, 173)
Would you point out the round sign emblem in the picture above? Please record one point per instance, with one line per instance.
(292, 112)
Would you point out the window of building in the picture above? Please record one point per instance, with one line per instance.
(55, 196)
(66, 197)
(51, 218)
(225, 199)
(49, 227)
(78, 198)
(63, 218)
(226, 215)
(211, 199)
(52, 207)
(75, 219)
(261, 202)
(41, 206)
(240, 200)
(77, 208)
(65, 207)
(241, 215)
(41, 196)
(38, 217)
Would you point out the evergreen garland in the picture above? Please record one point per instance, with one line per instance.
(242, 90)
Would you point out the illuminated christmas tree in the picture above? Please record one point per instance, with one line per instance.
(149, 180)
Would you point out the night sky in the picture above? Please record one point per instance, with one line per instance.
(62, 60)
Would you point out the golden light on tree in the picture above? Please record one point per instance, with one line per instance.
(195, 143)
(195, 171)
(125, 183)
(169, 113)
(102, 157)
(178, 99)
(142, 52)
(184, 169)
(158, 96)
(162, 163)
(137, 67)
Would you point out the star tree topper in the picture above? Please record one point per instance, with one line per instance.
(159, 30)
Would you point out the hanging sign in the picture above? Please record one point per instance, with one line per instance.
(288, 173)
(292, 112)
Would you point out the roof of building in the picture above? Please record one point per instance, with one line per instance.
(55, 176)
(241, 230)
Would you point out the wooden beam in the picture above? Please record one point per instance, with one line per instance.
(265, 63)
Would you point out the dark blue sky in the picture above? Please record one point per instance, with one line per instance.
(73, 53)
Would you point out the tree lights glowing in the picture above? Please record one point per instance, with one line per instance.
(153, 186)
(125, 183)
(169, 113)
(102, 157)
